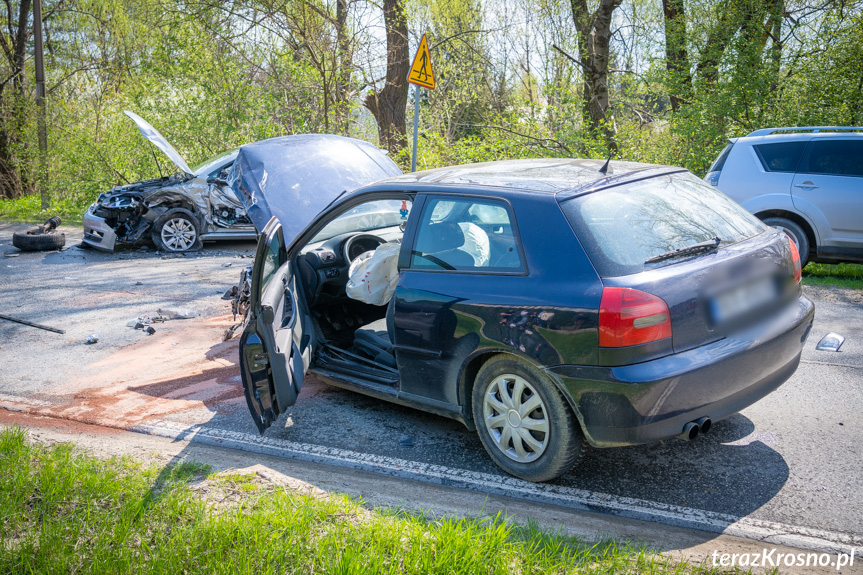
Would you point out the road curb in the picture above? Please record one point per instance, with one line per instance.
(765, 531)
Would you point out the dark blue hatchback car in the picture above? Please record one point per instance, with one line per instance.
(547, 304)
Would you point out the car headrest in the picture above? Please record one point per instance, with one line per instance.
(440, 237)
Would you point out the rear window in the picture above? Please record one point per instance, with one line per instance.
(621, 227)
(781, 157)
(836, 157)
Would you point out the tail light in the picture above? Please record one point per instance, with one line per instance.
(631, 317)
(795, 259)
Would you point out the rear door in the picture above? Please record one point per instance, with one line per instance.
(830, 180)
(276, 345)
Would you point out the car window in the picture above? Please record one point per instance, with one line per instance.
(835, 157)
(210, 165)
(467, 234)
(272, 260)
(780, 157)
(374, 215)
(621, 227)
(720, 161)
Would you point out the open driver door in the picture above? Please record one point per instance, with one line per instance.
(276, 345)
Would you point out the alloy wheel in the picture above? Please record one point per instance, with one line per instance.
(178, 234)
(516, 418)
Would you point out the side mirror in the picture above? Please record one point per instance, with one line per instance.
(217, 181)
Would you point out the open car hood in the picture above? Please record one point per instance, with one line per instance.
(295, 177)
(159, 141)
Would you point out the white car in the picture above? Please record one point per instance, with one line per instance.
(806, 181)
(177, 212)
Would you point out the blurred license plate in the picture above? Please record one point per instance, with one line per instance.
(739, 301)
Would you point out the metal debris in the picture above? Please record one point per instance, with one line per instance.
(92, 338)
(229, 333)
(830, 342)
(177, 313)
(31, 324)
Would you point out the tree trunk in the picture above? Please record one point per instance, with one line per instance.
(717, 41)
(774, 22)
(388, 105)
(594, 37)
(13, 105)
(676, 58)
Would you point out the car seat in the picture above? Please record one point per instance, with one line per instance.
(376, 339)
(443, 241)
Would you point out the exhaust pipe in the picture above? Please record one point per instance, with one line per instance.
(690, 431)
(704, 424)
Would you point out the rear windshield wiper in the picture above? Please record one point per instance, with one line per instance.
(700, 247)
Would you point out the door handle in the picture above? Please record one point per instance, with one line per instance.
(807, 185)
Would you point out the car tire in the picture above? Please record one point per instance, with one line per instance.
(35, 240)
(538, 453)
(177, 231)
(795, 232)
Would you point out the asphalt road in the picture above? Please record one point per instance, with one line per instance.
(792, 458)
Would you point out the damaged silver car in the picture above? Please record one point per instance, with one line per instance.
(177, 212)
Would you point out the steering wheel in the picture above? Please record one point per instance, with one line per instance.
(359, 244)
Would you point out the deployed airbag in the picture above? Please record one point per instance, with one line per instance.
(373, 275)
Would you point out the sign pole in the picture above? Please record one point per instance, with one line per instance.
(416, 127)
(421, 76)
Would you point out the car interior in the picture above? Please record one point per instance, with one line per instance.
(355, 338)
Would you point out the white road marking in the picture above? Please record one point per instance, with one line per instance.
(770, 532)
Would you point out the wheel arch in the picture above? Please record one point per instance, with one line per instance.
(797, 219)
(167, 201)
(471, 367)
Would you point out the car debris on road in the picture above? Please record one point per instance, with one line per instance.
(41, 238)
(31, 324)
(177, 313)
(830, 342)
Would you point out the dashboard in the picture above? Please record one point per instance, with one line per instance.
(324, 266)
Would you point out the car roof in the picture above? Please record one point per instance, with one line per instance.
(546, 175)
(803, 133)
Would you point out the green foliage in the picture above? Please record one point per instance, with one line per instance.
(65, 512)
(213, 76)
(840, 275)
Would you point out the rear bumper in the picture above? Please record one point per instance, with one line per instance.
(652, 401)
(97, 233)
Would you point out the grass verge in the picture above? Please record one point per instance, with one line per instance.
(29, 209)
(839, 275)
(66, 512)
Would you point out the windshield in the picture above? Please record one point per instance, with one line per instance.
(622, 227)
(211, 164)
(366, 217)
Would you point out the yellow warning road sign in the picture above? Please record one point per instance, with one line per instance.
(421, 72)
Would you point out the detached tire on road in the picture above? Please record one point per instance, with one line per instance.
(795, 232)
(524, 422)
(177, 231)
(36, 240)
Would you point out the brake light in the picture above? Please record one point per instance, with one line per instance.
(631, 317)
(795, 258)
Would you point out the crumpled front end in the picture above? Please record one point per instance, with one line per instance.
(118, 216)
(97, 233)
(126, 214)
